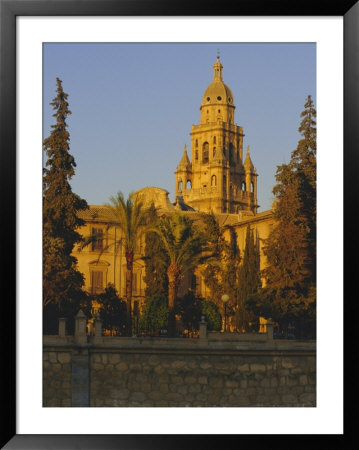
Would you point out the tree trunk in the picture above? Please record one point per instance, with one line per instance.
(129, 276)
(174, 278)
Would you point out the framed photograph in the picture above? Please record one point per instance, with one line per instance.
(94, 40)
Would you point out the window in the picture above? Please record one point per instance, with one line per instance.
(97, 239)
(205, 153)
(213, 180)
(188, 184)
(196, 155)
(180, 186)
(243, 186)
(252, 187)
(96, 282)
(214, 140)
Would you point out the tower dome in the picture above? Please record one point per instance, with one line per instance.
(217, 101)
(217, 92)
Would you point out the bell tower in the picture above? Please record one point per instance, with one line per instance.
(216, 178)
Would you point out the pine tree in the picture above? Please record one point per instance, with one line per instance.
(291, 246)
(62, 282)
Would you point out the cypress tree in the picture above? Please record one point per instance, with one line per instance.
(249, 281)
(62, 282)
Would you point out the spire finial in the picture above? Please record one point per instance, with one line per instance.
(217, 69)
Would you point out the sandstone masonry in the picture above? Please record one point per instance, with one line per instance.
(230, 371)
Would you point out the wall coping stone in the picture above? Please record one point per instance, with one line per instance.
(184, 346)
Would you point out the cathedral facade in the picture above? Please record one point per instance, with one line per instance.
(217, 178)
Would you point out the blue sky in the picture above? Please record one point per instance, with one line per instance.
(133, 106)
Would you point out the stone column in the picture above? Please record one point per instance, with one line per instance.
(270, 329)
(203, 329)
(80, 328)
(80, 378)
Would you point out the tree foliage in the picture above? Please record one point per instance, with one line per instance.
(221, 272)
(249, 281)
(191, 308)
(156, 264)
(212, 315)
(154, 316)
(62, 282)
(185, 247)
(112, 310)
(291, 246)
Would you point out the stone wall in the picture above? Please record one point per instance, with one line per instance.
(107, 372)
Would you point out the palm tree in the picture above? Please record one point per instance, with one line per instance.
(186, 248)
(131, 216)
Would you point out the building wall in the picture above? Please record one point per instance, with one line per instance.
(179, 372)
(112, 262)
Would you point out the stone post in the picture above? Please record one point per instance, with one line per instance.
(62, 327)
(80, 328)
(98, 330)
(270, 330)
(203, 329)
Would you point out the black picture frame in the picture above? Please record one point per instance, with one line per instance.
(9, 10)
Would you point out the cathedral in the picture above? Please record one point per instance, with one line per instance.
(218, 178)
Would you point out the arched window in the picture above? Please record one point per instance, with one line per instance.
(188, 184)
(196, 155)
(196, 143)
(205, 153)
(214, 140)
(243, 186)
(214, 152)
(252, 187)
(213, 180)
(180, 185)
